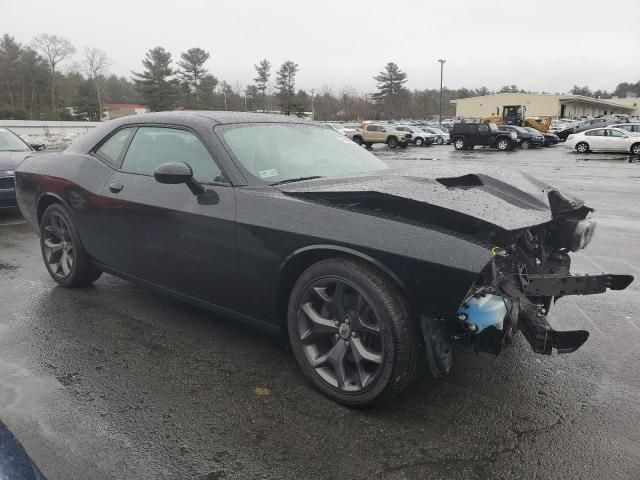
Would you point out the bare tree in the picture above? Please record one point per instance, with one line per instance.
(55, 50)
(96, 62)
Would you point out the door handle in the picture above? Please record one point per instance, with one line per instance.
(116, 187)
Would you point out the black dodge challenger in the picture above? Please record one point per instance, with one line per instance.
(287, 225)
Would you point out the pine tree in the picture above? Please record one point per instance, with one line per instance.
(263, 70)
(206, 91)
(192, 70)
(390, 83)
(155, 83)
(286, 86)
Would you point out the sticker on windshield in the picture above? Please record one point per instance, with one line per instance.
(272, 172)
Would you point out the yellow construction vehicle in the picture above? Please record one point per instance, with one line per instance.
(515, 115)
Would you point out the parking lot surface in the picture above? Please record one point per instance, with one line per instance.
(115, 381)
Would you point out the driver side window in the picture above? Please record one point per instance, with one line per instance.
(153, 146)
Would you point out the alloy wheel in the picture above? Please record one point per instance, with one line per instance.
(340, 334)
(58, 246)
(635, 149)
(503, 145)
(459, 144)
(440, 141)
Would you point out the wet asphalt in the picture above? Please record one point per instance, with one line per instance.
(117, 382)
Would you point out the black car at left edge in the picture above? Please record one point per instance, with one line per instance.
(287, 225)
(12, 151)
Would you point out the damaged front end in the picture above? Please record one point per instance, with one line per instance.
(529, 271)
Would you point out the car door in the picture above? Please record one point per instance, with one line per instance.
(596, 139)
(482, 135)
(616, 141)
(164, 233)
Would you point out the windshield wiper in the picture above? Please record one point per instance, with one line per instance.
(299, 179)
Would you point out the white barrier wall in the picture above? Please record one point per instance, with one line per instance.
(54, 134)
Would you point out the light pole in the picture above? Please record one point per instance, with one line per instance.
(442, 62)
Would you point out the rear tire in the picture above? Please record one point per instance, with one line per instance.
(459, 143)
(582, 147)
(332, 300)
(64, 256)
(419, 142)
(635, 149)
(503, 145)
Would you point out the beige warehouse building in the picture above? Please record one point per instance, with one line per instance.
(546, 105)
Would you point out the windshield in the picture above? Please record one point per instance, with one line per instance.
(532, 130)
(10, 142)
(277, 152)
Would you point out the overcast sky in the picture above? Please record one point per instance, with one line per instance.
(538, 45)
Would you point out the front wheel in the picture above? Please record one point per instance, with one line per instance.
(525, 144)
(351, 332)
(419, 142)
(392, 142)
(440, 141)
(64, 256)
(635, 148)
(459, 144)
(582, 147)
(358, 140)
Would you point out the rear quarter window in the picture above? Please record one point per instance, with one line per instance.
(111, 151)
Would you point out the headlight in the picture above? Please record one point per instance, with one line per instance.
(576, 234)
(9, 173)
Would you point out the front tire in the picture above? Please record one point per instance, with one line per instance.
(526, 145)
(459, 144)
(582, 147)
(358, 140)
(392, 142)
(351, 332)
(440, 141)
(419, 142)
(64, 256)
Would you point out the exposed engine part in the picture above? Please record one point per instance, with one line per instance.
(481, 310)
(438, 345)
(550, 285)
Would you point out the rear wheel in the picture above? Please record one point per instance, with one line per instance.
(635, 148)
(62, 251)
(419, 142)
(503, 144)
(351, 332)
(459, 143)
(392, 142)
(582, 147)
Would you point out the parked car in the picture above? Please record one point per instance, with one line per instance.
(628, 127)
(605, 140)
(12, 151)
(595, 123)
(549, 138)
(419, 137)
(15, 462)
(280, 223)
(370, 133)
(465, 136)
(442, 137)
(525, 138)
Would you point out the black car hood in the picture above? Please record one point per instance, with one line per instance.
(10, 160)
(462, 199)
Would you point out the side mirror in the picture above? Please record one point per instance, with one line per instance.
(173, 173)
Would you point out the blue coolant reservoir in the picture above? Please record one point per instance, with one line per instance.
(485, 311)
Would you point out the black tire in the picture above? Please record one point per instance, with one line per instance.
(58, 234)
(582, 147)
(358, 139)
(503, 144)
(419, 142)
(635, 149)
(399, 354)
(368, 144)
(392, 142)
(525, 145)
(440, 140)
(459, 143)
